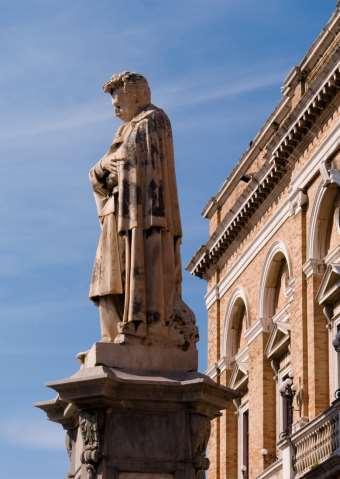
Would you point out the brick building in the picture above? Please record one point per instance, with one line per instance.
(272, 264)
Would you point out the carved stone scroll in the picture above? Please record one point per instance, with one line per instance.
(200, 433)
(90, 426)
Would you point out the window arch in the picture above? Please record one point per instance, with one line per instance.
(236, 321)
(322, 218)
(323, 249)
(277, 269)
(276, 286)
(235, 351)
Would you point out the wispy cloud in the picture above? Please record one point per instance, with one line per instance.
(185, 94)
(57, 121)
(206, 88)
(33, 434)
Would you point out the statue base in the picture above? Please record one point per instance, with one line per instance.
(127, 425)
(140, 358)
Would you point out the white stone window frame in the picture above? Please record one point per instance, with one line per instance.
(242, 409)
(334, 366)
(282, 374)
(333, 326)
(337, 219)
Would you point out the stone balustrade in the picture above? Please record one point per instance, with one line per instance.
(274, 471)
(317, 444)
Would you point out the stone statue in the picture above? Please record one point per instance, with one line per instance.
(136, 279)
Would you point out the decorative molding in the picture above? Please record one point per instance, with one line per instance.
(278, 342)
(90, 423)
(271, 470)
(337, 219)
(260, 241)
(313, 267)
(279, 218)
(329, 289)
(222, 365)
(260, 326)
(217, 368)
(281, 160)
(200, 432)
(282, 319)
(278, 247)
(324, 194)
(239, 294)
(239, 377)
(317, 163)
(211, 297)
(333, 256)
(283, 109)
(212, 372)
(298, 201)
(334, 177)
(290, 289)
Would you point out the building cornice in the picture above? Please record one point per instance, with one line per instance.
(315, 52)
(301, 122)
(314, 167)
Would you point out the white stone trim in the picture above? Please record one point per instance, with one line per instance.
(216, 369)
(282, 319)
(337, 219)
(211, 297)
(314, 226)
(334, 177)
(278, 219)
(241, 410)
(276, 248)
(269, 472)
(313, 267)
(239, 293)
(260, 326)
(260, 241)
(212, 372)
(333, 256)
(298, 199)
(318, 160)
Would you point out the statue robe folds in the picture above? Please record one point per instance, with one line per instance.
(138, 254)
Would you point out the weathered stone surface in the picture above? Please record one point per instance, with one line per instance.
(131, 423)
(136, 280)
(137, 408)
(141, 358)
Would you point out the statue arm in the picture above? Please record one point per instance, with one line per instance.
(98, 178)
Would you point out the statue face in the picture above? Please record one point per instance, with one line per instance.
(124, 104)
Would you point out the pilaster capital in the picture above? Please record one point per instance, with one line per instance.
(334, 177)
(298, 199)
(313, 267)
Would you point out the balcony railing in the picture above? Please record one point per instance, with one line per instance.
(316, 445)
(273, 471)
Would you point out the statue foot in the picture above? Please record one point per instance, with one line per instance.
(130, 333)
(120, 339)
(106, 339)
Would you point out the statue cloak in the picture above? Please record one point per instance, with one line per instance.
(138, 254)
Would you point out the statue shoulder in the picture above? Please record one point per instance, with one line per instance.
(153, 115)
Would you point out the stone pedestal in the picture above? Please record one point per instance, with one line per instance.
(128, 424)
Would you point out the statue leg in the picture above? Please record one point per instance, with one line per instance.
(110, 316)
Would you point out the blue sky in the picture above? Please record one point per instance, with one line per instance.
(216, 67)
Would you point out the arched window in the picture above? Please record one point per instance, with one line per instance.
(324, 250)
(235, 350)
(275, 296)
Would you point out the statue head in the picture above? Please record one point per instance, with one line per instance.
(130, 94)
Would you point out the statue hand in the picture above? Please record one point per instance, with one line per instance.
(109, 163)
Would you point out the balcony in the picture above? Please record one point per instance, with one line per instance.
(274, 471)
(317, 446)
